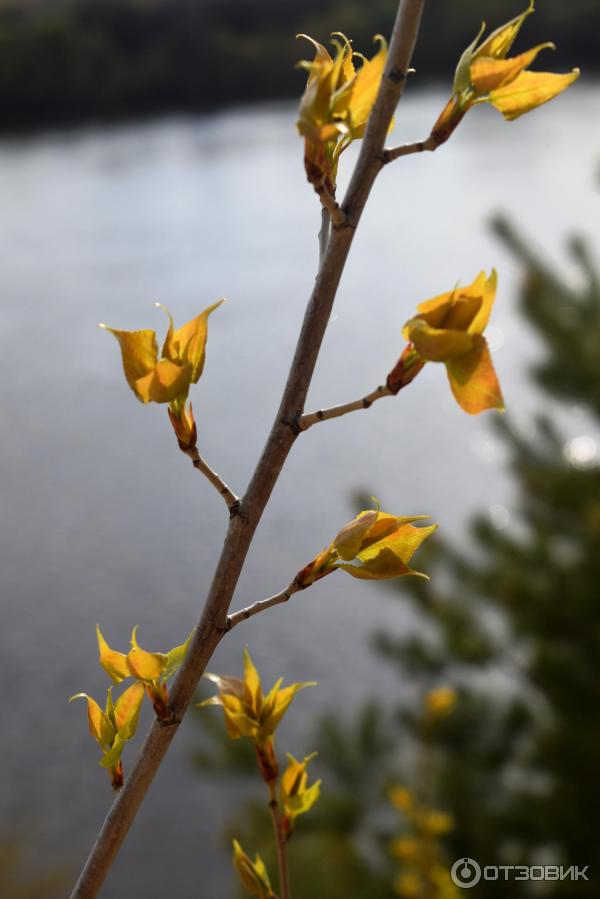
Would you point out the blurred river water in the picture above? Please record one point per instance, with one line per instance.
(103, 520)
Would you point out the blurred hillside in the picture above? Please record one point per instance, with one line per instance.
(74, 60)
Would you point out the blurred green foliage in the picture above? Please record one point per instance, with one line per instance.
(514, 627)
(68, 60)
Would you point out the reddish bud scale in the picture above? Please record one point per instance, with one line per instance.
(116, 776)
(449, 119)
(267, 761)
(186, 437)
(159, 697)
(405, 370)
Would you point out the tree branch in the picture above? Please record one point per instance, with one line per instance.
(218, 483)
(407, 149)
(323, 234)
(261, 605)
(281, 438)
(280, 843)
(331, 206)
(312, 418)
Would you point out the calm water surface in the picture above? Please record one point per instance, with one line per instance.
(103, 520)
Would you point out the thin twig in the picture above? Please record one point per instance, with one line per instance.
(332, 207)
(261, 605)
(280, 843)
(312, 418)
(218, 483)
(323, 235)
(279, 442)
(407, 149)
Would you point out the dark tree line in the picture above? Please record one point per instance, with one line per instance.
(69, 60)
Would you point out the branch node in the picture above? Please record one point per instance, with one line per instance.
(295, 426)
(234, 509)
(397, 76)
(172, 721)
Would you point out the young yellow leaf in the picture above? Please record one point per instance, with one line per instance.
(473, 380)
(500, 41)
(164, 383)
(529, 90)
(176, 656)
(168, 379)
(113, 662)
(247, 712)
(187, 345)
(488, 74)
(296, 796)
(127, 710)
(253, 874)
(100, 726)
(145, 666)
(139, 352)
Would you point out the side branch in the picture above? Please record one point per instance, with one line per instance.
(261, 605)
(218, 483)
(329, 203)
(311, 418)
(407, 149)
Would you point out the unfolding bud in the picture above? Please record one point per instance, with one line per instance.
(151, 669)
(247, 712)
(114, 726)
(168, 378)
(486, 74)
(405, 370)
(336, 105)
(373, 546)
(449, 329)
(296, 796)
(253, 874)
(182, 420)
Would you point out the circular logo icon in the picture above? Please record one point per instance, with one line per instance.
(465, 873)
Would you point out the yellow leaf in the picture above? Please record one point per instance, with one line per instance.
(486, 289)
(356, 98)
(529, 90)
(139, 352)
(164, 383)
(437, 344)
(473, 379)
(296, 796)
(113, 662)
(253, 875)
(111, 756)
(100, 726)
(127, 710)
(252, 683)
(488, 74)
(187, 345)
(348, 541)
(403, 542)
(146, 666)
(383, 566)
(176, 656)
(501, 40)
